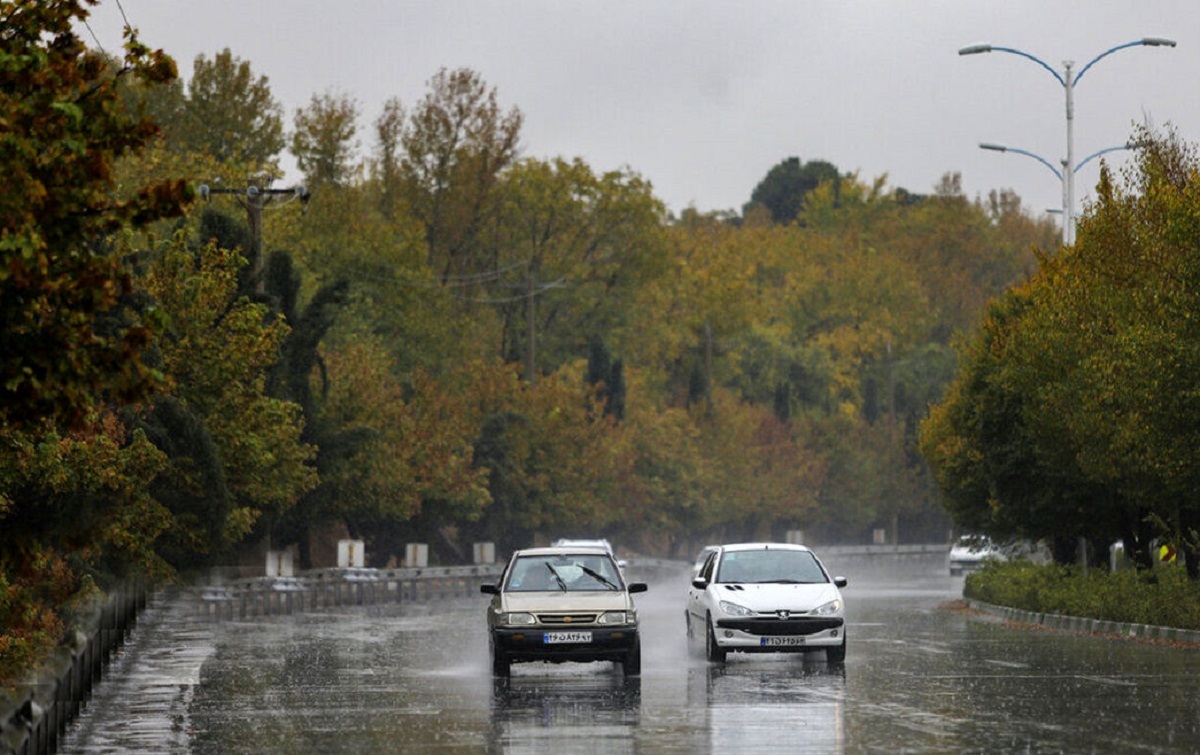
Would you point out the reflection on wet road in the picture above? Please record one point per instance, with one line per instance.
(415, 678)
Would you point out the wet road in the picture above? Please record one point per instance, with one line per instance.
(414, 678)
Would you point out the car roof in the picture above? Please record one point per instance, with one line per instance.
(763, 547)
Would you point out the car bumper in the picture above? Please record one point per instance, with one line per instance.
(779, 636)
(606, 644)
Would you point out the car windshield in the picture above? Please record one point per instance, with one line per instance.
(565, 573)
(765, 566)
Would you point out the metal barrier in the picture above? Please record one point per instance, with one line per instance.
(325, 588)
(55, 698)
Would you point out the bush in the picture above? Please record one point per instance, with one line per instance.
(1161, 597)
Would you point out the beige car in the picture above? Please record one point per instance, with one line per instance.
(563, 604)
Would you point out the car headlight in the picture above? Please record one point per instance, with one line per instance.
(733, 609)
(617, 617)
(832, 608)
(517, 618)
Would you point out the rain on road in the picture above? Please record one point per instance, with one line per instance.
(415, 678)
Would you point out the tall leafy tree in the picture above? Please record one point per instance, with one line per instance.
(572, 249)
(70, 337)
(229, 112)
(323, 141)
(456, 144)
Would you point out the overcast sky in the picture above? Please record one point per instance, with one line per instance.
(703, 97)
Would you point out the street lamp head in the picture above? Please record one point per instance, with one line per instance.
(975, 49)
(993, 146)
(1158, 42)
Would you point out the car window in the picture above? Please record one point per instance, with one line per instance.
(583, 572)
(765, 566)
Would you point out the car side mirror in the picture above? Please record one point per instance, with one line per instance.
(841, 581)
(699, 583)
(637, 587)
(489, 589)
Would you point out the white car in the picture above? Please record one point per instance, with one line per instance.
(766, 598)
(566, 542)
(970, 552)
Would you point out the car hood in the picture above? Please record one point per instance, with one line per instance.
(600, 600)
(768, 598)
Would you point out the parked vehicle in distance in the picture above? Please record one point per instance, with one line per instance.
(766, 598)
(970, 552)
(569, 603)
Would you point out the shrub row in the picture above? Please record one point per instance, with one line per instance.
(1161, 597)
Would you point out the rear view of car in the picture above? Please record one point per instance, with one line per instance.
(563, 604)
(766, 598)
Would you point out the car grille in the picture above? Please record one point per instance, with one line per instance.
(772, 627)
(566, 619)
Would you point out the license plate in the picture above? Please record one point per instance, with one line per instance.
(554, 638)
(781, 641)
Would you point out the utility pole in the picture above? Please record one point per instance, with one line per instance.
(530, 326)
(254, 198)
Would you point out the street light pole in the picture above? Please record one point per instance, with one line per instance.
(1059, 174)
(1068, 81)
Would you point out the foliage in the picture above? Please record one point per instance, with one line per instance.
(71, 337)
(454, 148)
(323, 140)
(218, 349)
(1069, 418)
(228, 113)
(1164, 597)
(783, 190)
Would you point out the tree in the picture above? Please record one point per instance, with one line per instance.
(323, 140)
(229, 113)
(1070, 416)
(456, 145)
(72, 337)
(238, 454)
(572, 249)
(784, 188)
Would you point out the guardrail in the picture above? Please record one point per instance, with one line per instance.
(54, 698)
(325, 588)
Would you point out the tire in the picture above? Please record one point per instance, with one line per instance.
(837, 653)
(712, 651)
(632, 664)
(501, 664)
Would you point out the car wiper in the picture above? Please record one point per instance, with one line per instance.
(561, 584)
(599, 577)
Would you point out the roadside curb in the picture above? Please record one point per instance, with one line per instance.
(1094, 626)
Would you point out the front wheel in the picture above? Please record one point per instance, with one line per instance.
(712, 651)
(501, 665)
(632, 663)
(836, 653)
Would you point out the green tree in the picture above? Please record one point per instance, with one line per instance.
(229, 113)
(573, 248)
(323, 141)
(456, 144)
(783, 190)
(71, 336)
(238, 452)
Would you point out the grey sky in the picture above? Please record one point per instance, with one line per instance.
(702, 97)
